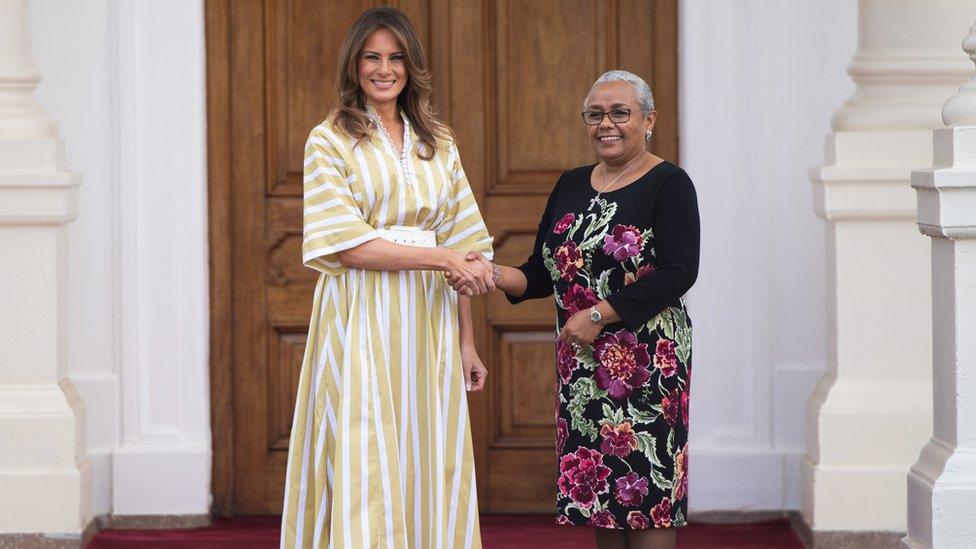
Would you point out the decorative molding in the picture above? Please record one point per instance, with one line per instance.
(100, 393)
(36, 199)
(161, 481)
(162, 227)
(904, 66)
(723, 36)
(162, 199)
(46, 479)
(960, 109)
(280, 180)
(21, 117)
(866, 175)
(220, 185)
(947, 192)
(286, 348)
(519, 425)
(512, 433)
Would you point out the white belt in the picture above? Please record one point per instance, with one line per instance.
(409, 236)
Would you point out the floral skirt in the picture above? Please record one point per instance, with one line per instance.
(622, 427)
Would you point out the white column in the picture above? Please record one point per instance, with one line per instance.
(942, 483)
(44, 473)
(872, 409)
(748, 421)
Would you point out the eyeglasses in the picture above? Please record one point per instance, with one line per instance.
(594, 117)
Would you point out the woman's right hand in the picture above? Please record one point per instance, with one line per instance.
(469, 275)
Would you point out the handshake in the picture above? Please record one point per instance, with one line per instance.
(471, 274)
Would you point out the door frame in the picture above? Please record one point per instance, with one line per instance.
(217, 31)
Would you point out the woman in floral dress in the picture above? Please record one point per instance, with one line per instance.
(618, 246)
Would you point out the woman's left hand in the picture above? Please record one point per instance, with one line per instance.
(579, 329)
(475, 372)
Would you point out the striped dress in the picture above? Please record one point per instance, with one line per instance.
(381, 451)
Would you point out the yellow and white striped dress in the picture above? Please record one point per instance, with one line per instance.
(381, 451)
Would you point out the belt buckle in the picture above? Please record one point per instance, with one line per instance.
(408, 236)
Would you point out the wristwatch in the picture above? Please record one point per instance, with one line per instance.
(596, 317)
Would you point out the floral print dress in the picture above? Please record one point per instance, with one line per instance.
(622, 409)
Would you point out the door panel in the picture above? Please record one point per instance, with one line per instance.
(509, 77)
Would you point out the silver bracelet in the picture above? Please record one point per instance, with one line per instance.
(495, 273)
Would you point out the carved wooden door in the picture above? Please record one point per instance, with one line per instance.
(510, 77)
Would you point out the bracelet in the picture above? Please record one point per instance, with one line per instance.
(495, 273)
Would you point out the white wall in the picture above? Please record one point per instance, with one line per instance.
(759, 81)
(125, 79)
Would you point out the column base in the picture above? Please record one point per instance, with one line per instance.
(942, 498)
(842, 499)
(162, 481)
(863, 437)
(45, 475)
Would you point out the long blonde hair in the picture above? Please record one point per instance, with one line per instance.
(349, 114)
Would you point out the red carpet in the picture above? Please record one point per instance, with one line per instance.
(497, 531)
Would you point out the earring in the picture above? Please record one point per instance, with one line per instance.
(647, 135)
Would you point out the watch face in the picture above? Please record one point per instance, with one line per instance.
(595, 315)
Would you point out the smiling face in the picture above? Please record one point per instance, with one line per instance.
(382, 68)
(617, 142)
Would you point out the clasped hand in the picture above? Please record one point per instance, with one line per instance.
(579, 330)
(470, 274)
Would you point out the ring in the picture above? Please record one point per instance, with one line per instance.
(576, 346)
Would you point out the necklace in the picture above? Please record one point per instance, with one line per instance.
(403, 158)
(603, 180)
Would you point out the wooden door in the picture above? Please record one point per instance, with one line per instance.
(510, 77)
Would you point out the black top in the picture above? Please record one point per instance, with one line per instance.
(662, 200)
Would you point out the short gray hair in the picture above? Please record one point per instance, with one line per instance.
(641, 88)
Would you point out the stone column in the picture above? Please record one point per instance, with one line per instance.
(44, 473)
(872, 409)
(942, 483)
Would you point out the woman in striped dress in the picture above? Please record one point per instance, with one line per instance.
(381, 451)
